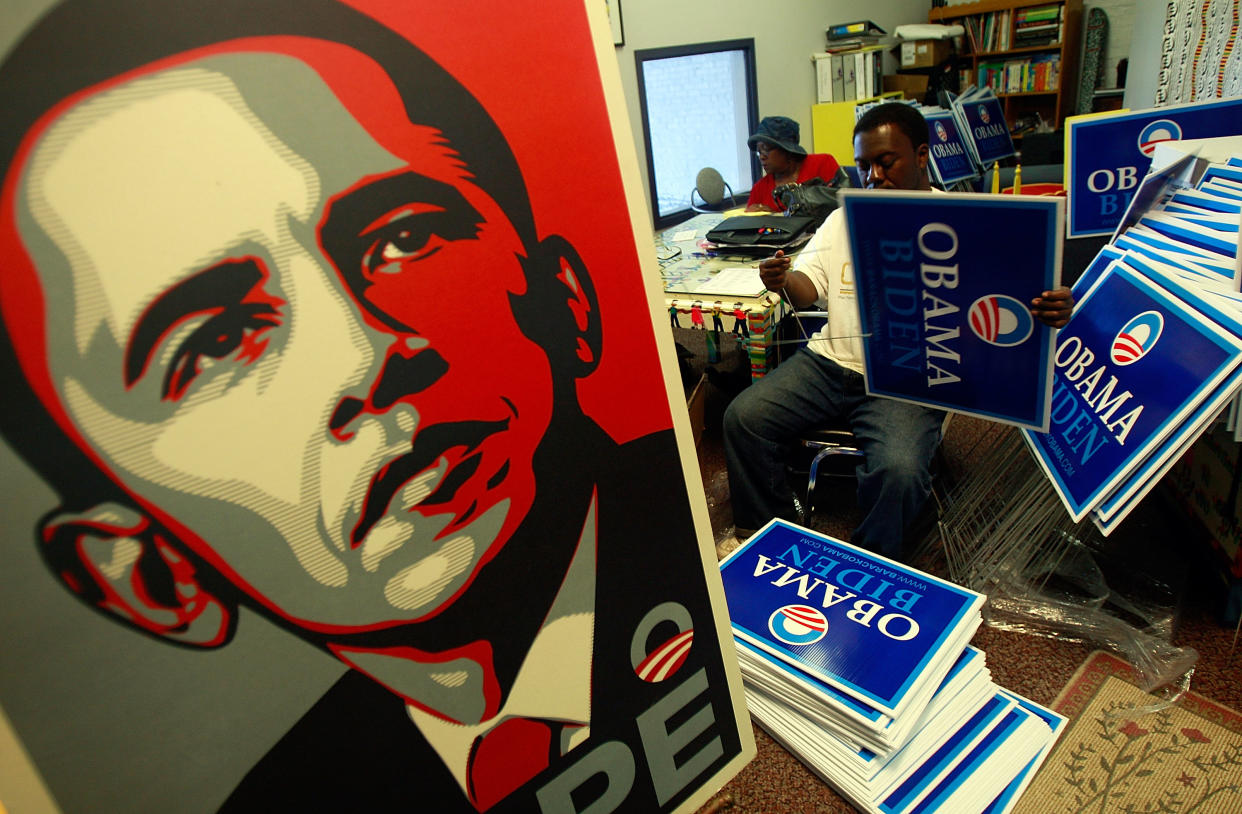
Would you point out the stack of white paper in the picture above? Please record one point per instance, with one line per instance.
(860, 666)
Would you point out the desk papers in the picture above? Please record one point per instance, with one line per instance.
(731, 281)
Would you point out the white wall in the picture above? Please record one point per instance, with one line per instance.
(786, 33)
(1145, 42)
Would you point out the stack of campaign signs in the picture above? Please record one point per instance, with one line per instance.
(950, 148)
(1152, 355)
(969, 137)
(966, 139)
(951, 135)
(981, 117)
(862, 668)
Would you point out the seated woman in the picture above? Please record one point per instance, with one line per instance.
(784, 162)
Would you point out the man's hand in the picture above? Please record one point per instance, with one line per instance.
(1053, 308)
(773, 271)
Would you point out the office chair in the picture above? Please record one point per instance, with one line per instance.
(827, 442)
(710, 187)
(837, 439)
(831, 443)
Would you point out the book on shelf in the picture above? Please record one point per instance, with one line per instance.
(859, 28)
(1042, 28)
(992, 30)
(1013, 76)
(1050, 38)
(869, 66)
(1039, 25)
(1038, 73)
(854, 43)
(1038, 31)
(972, 38)
(988, 74)
(1032, 25)
(850, 84)
(1018, 28)
(1033, 13)
(829, 77)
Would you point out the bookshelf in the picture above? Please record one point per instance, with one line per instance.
(1027, 50)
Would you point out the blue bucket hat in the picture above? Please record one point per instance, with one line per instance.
(779, 131)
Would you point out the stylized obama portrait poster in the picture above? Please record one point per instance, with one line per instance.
(340, 469)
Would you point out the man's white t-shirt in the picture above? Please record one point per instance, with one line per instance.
(825, 259)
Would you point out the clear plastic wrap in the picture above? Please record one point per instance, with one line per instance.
(1004, 532)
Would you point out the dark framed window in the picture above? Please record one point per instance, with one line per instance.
(698, 104)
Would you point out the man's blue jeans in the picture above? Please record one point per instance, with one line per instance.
(808, 391)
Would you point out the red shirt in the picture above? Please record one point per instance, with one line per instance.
(815, 165)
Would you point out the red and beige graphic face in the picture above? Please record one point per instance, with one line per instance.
(296, 348)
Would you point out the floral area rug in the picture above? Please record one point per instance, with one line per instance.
(1180, 759)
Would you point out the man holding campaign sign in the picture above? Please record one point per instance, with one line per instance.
(824, 381)
(942, 299)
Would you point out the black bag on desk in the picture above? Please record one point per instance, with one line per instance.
(761, 234)
(815, 198)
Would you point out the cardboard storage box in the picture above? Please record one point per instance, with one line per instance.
(923, 53)
(910, 85)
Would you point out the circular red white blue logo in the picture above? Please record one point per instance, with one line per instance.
(941, 133)
(983, 114)
(1137, 338)
(1157, 132)
(1001, 320)
(798, 624)
(666, 659)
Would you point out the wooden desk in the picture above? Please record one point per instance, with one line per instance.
(694, 303)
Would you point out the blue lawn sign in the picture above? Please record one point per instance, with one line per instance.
(944, 282)
(1132, 364)
(1055, 722)
(1095, 270)
(949, 155)
(867, 625)
(1223, 241)
(1109, 155)
(984, 123)
(1225, 309)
